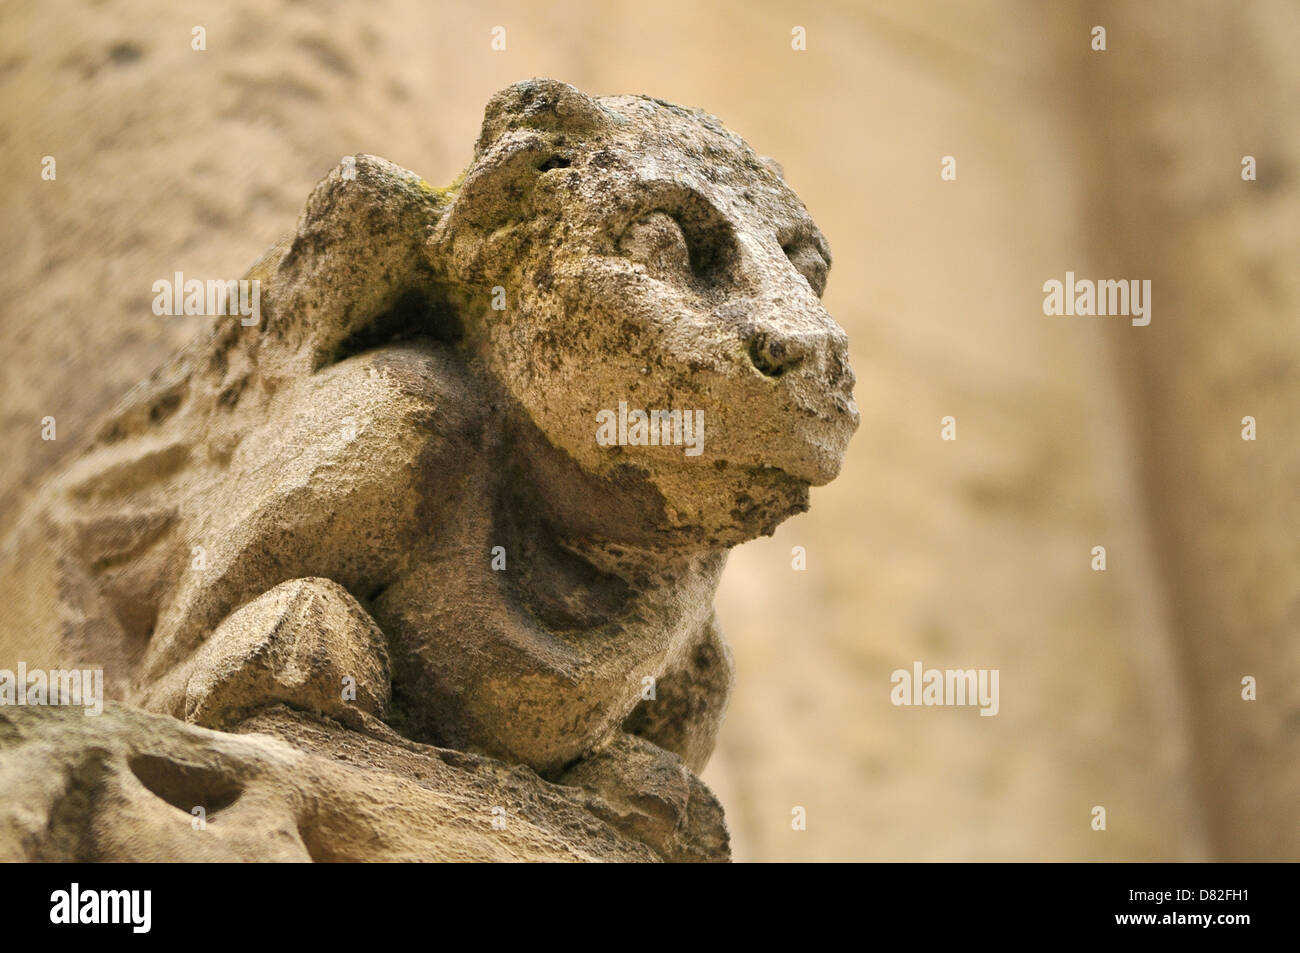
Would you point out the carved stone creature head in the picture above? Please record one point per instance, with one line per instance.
(648, 257)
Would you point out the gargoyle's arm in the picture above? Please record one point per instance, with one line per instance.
(690, 698)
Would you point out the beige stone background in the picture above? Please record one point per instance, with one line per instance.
(1120, 689)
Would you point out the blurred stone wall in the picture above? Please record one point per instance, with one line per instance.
(1119, 689)
(1164, 127)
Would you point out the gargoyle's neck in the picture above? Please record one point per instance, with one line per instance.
(535, 477)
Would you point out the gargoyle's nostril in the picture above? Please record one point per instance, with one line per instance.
(772, 356)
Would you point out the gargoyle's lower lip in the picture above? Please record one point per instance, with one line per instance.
(818, 461)
(801, 479)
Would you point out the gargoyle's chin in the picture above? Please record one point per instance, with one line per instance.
(724, 507)
(821, 469)
(817, 454)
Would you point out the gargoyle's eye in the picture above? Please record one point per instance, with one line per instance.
(685, 241)
(657, 241)
(808, 261)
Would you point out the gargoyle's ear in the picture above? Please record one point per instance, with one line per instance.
(529, 129)
(542, 105)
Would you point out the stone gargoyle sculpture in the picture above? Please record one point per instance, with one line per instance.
(481, 458)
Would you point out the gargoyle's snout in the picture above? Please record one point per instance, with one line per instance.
(824, 352)
(810, 388)
(809, 346)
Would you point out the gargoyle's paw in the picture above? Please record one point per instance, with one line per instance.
(306, 643)
(650, 794)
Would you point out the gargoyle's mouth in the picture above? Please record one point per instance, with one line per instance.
(817, 457)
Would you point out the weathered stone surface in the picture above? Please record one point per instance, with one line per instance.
(123, 786)
(654, 798)
(392, 480)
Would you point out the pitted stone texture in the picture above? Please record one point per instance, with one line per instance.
(124, 786)
(394, 473)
